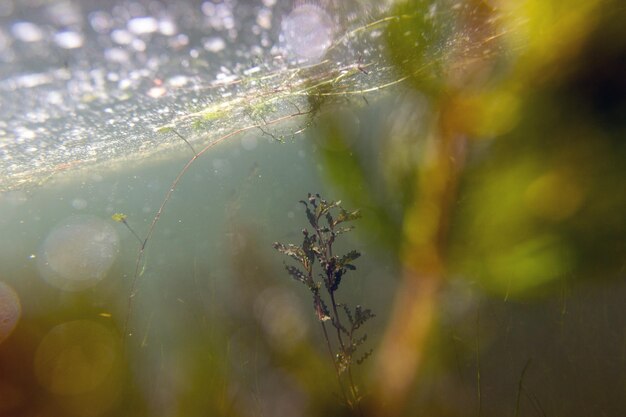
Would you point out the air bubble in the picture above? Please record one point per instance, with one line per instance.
(78, 253)
(156, 92)
(69, 40)
(143, 25)
(264, 18)
(214, 44)
(121, 37)
(308, 32)
(100, 21)
(167, 27)
(27, 32)
(178, 81)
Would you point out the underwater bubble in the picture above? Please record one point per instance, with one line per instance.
(78, 253)
(264, 18)
(308, 31)
(178, 81)
(116, 55)
(167, 27)
(101, 22)
(75, 357)
(64, 13)
(221, 167)
(121, 37)
(214, 44)
(69, 39)
(156, 92)
(27, 32)
(143, 25)
(10, 311)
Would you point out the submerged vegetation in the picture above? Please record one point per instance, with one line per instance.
(458, 177)
(122, 218)
(482, 140)
(326, 219)
(280, 104)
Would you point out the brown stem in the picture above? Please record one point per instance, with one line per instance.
(343, 347)
(141, 242)
(332, 357)
(168, 195)
(401, 353)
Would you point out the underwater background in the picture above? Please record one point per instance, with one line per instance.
(446, 178)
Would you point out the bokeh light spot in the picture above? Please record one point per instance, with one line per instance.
(75, 357)
(10, 311)
(78, 253)
(554, 196)
(308, 32)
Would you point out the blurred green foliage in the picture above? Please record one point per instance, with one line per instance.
(536, 92)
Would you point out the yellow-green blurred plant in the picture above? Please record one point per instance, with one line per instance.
(502, 163)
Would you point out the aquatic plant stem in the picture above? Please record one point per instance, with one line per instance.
(424, 264)
(332, 358)
(168, 195)
(141, 241)
(343, 348)
(185, 140)
(328, 245)
(316, 248)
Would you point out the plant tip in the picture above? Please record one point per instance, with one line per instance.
(119, 217)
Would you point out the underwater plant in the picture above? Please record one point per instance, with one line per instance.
(317, 249)
(121, 218)
(279, 103)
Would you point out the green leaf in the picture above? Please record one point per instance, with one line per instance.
(348, 314)
(297, 274)
(292, 251)
(308, 247)
(364, 357)
(345, 216)
(329, 219)
(349, 257)
(361, 316)
(342, 230)
(321, 310)
(309, 215)
(119, 217)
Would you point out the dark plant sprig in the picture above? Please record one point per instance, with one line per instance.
(326, 219)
